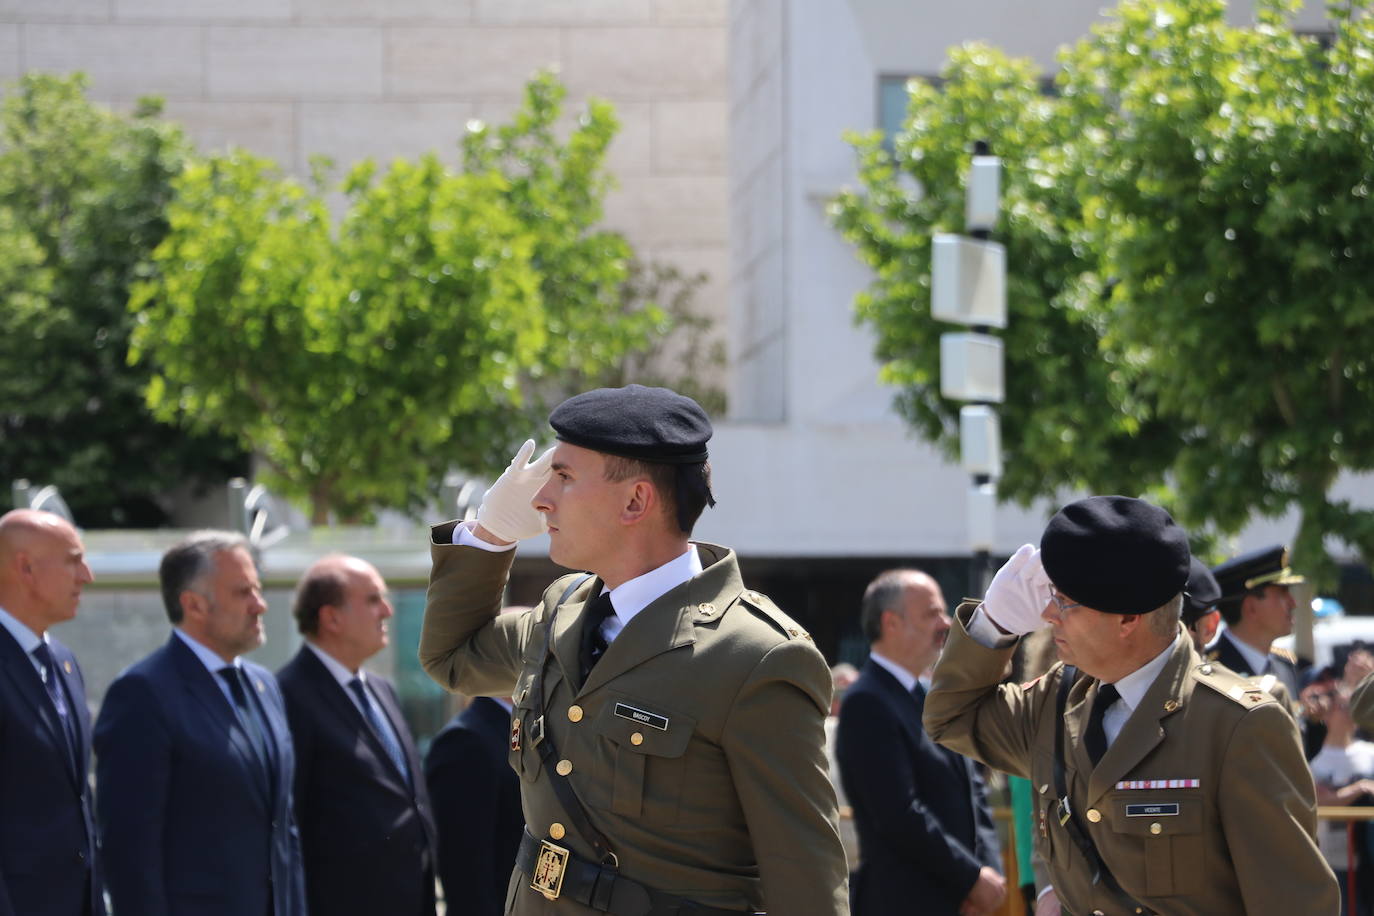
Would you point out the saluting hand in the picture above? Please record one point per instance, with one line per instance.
(506, 509)
(1019, 592)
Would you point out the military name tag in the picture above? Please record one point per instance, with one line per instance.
(1165, 809)
(643, 717)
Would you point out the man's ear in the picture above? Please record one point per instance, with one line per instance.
(1129, 623)
(328, 620)
(193, 604)
(641, 499)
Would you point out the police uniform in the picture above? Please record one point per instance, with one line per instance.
(695, 749)
(1202, 806)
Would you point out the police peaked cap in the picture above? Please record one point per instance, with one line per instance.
(1266, 566)
(1115, 554)
(1201, 594)
(646, 424)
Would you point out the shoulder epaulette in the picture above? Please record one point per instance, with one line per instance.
(1286, 654)
(1238, 688)
(765, 608)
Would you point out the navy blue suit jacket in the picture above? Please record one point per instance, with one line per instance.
(191, 824)
(925, 829)
(48, 851)
(368, 838)
(477, 803)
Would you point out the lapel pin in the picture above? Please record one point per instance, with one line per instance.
(1171, 705)
(67, 667)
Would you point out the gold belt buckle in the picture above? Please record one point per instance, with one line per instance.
(549, 867)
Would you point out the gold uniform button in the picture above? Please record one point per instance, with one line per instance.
(1155, 829)
(1094, 815)
(556, 830)
(1044, 789)
(574, 713)
(564, 767)
(636, 739)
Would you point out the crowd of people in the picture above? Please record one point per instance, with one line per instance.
(651, 737)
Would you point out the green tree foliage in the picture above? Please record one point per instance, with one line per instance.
(425, 331)
(82, 195)
(1188, 228)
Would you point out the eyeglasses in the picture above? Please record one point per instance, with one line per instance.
(1061, 603)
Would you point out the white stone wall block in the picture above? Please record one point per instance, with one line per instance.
(263, 128)
(123, 61)
(55, 10)
(303, 62)
(646, 63)
(691, 12)
(756, 126)
(690, 137)
(11, 67)
(451, 62)
(201, 11)
(631, 153)
(756, 215)
(563, 12)
(341, 11)
(669, 210)
(347, 132)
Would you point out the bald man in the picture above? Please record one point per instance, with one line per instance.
(367, 828)
(925, 829)
(48, 864)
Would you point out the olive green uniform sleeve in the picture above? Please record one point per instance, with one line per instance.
(774, 741)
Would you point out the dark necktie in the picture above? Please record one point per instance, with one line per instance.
(384, 734)
(248, 714)
(918, 694)
(59, 701)
(593, 641)
(1095, 738)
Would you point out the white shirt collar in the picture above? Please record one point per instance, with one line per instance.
(1257, 660)
(28, 640)
(629, 598)
(905, 677)
(1135, 685)
(335, 667)
(208, 657)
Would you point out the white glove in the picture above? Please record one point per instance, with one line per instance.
(1019, 592)
(506, 509)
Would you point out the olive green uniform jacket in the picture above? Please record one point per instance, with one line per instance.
(1243, 838)
(728, 803)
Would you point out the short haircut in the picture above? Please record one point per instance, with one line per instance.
(321, 585)
(1231, 605)
(188, 561)
(1163, 620)
(685, 489)
(884, 593)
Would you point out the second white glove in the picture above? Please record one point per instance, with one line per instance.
(1019, 592)
(506, 509)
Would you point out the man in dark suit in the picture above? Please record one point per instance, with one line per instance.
(367, 831)
(925, 829)
(48, 849)
(476, 797)
(193, 755)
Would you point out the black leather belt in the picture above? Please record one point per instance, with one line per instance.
(554, 868)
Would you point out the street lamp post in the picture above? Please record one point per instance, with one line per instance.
(968, 281)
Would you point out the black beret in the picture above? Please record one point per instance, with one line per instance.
(647, 424)
(1266, 566)
(1201, 594)
(1115, 554)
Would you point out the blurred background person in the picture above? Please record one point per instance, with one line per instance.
(367, 832)
(49, 862)
(1344, 773)
(476, 799)
(925, 830)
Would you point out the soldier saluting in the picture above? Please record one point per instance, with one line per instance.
(668, 722)
(1166, 784)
